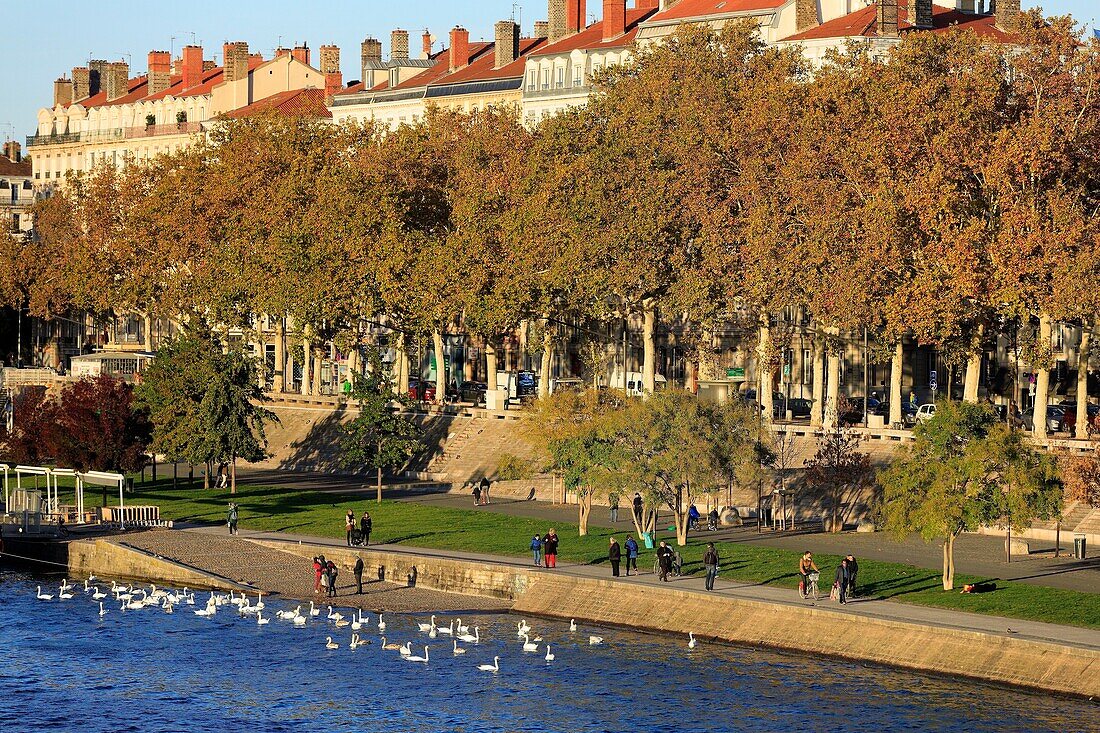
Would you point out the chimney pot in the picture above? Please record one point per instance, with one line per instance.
(888, 18)
(192, 66)
(460, 48)
(370, 58)
(62, 92)
(805, 14)
(399, 44)
(506, 35)
(117, 82)
(301, 53)
(614, 19)
(542, 29)
(920, 13)
(97, 76)
(426, 45)
(235, 60)
(82, 83)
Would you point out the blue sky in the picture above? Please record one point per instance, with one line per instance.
(41, 42)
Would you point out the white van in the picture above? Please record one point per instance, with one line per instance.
(634, 382)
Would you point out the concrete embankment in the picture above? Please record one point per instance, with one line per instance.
(116, 561)
(943, 648)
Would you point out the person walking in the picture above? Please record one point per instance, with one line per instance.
(710, 562)
(638, 504)
(613, 501)
(318, 569)
(366, 524)
(840, 581)
(358, 570)
(631, 555)
(664, 561)
(536, 549)
(550, 549)
(853, 568)
(349, 524)
(333, 572)
(485, 489)
(234, 515)
(615, 555)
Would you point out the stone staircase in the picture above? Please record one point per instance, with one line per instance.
(473, 448)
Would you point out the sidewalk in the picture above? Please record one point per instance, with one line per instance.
(855, 609)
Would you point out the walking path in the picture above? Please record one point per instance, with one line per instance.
(858, 608)
(980, 555)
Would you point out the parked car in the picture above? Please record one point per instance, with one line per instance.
(799, 407)
(421, 390)
(1054, 415)
(853, 411)
(1069, 416)
(473, 392)
(926, 412)
(908, 412)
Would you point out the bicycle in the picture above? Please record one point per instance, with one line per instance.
(809, 589)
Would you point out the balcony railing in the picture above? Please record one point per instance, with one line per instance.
(68, 137)
(115, 133)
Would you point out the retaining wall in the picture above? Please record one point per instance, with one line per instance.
(111, 560)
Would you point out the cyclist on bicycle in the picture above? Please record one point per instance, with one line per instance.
(805, 567)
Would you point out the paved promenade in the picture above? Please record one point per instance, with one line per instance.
(856, 609)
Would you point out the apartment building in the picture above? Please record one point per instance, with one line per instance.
(16, 191)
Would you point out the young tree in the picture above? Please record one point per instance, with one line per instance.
(382, 436)
(838, 466)
(966, 469)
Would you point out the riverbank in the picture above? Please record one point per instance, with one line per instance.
(1033, 655)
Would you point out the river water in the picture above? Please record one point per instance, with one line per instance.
(66, 668)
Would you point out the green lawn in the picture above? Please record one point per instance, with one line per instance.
(322, 514)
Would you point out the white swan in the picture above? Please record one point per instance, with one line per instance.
(63, 593)
(381, 624)
(549, 657)
(433, 633)
(208, 611)
(460, 628)
(428, 626)
(169, 608)
(418, 659)
(86, 586)
(528, 645)
(457, 648)
(259, 601)
(390, 647)
(65, 585)
(334, 616)
(98, 594)
(474, 638)
(288, 615)
(357, 623)
(313, 610)
(595, 640)
(691, 640)
(494, 667)
(522, 628)
(405, 650)
(260, 620)
(330, 644)
(448, 630)
(572, 624)
(354, 643)
(299, 620)
(44, 596)
(102, 610)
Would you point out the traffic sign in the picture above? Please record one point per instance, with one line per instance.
(932, 378)
(932, 385)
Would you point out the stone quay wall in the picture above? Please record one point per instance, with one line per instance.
(112, 560)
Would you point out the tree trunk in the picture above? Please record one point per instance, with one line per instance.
(706, 358)
(353, 362)
(490, 366)
(280, 356)
(1081, 428)
(440, 367)
(896, 366)
(819, 378)
(148, 324)
(206, 476)
(233, 476)
(764, 371)
(546, 361)
(649, 348)
(584, 509)
(378, 485)
(973, 371)
(401, 365)
(1042, 384)
(307, 362)
(949, 563)
(832, 387)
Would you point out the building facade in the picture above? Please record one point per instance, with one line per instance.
(16, 191)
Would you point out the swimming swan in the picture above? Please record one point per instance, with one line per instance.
(405, 650)
(494, 667)
(549, 657)
(260, 620)
(381, 624)
(474, 638)
(390, 647)
(595, 640)
(457, 648)
(44, 596)
(102, 610)
(448, 630)
(572, 624)
(330, 644)
(427, 626)
(691, 640)
(528, 645)
(418, 659)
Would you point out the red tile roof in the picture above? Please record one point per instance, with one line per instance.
(441, 67)
(864, 23)
(592, 36)
(482, 69)
(700, 8)
(137, 86)
(9, 167)
(294, 103)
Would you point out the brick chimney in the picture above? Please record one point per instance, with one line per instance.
(542, 29)
(1008, 14)
(426, 45)
(399, 45)
(117, 83)
(805, 14)
(614, 19)
(559, 19)
(506, 35)
(647, 4)
(574, 15)
(192, 66)
(160, 71)
(97, 76)
(330, 67)
(62, 92)
(920, 13)
(235, 60)
(280, 52)
(82, 83)
(888, 18)
(370, 60)
(460, 48)
(301, 53)
(12, 151)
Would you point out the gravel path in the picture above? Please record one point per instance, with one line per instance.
(288, 576)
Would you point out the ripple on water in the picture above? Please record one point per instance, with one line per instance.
(160, 673)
